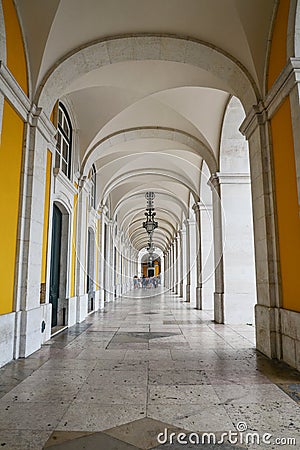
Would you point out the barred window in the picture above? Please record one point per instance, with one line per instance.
(92, 197)
(64, 141)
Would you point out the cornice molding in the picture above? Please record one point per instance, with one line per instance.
(12, 91)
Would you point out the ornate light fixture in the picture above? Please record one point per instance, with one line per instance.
(150, 224)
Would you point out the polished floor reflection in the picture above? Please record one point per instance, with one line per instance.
(147, 363)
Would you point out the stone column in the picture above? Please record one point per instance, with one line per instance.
(81, 251)
(218, 250)
(183, 244)
(108, 259)
(175, 268)
(188, 262)
(169, 268)
(29, 312)
(267, 311)
(207, 249)
(180, 259)
(196, 208)
(165, 270)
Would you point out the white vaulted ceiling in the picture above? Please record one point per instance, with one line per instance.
(148, 124)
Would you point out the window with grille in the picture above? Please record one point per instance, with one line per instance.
(64, 141)
(92, 197)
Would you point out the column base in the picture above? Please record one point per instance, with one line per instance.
(290, 326)
(72, 311)
(198, 297)
(7, 324)
(82, 307)
(180, 289)
(188, 293)
(218, 307)
(268, 333)
(29, 334)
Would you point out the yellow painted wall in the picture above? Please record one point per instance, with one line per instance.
(10, 170)
(46, 217)
(278, 55)
(16, 59)
(287, 205)
(73, 260)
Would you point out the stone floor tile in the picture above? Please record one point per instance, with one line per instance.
(101, 354)
(30, 416)
(143, 433)
(119, 395)
(96, 417)
(119, 378)
(23, 439)
(94, 441)
(132, 365)
(247, 394)
(272, 417)
(148, 355)
(68, 364)
(178, 377)
(199, 394)
(236, 378)
(194, 354)
(193, 417)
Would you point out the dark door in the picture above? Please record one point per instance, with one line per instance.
(55, 262)
(88, 274)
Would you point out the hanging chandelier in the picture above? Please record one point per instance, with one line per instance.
(150, 224)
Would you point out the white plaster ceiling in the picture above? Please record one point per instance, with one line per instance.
(150, 93)
(54, 28)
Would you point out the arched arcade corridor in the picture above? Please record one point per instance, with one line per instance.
(150, 175)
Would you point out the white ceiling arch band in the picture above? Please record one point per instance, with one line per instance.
(149, 132)
(170, 213)
(160, 244)
(148, 171)
(141, 232)
(139, 47)
(164, 221)
(160, 192)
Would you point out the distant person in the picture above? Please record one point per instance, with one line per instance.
(135, 282)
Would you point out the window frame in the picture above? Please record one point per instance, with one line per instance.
(64, 140)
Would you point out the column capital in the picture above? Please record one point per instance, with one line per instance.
(197, 207)
(234, 178)
(102, 210)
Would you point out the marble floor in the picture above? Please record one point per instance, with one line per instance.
(149, 365)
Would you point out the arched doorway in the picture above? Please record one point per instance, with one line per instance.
(58, 267)
(151, 265)
(90, 276)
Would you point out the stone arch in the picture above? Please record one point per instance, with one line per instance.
(172, 134)
(148, 171)
(168, 212)
(146, 47)
(140, 232)
(293, 37)
(158, 191)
